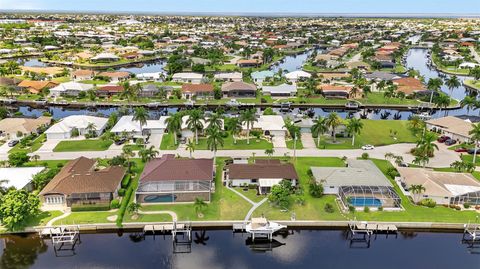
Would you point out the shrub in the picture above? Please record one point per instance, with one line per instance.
(365, 156)
(380, 208)
(366, 209)
(329, 208)
(428, 203)
(18, 158)
(126, 180)
(114, 204)
(89, 207)
(466, 205)
(263, 100)
(123, 207)
(121, 192)
(315, 189)
(351, 208)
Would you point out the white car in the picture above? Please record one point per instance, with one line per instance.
(368, 147)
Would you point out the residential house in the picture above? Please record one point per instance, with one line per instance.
(171, 180)
(35, 87)
(229, 77)
(82, 74)
(335, 91)
(116, 76)
(11, 127)
(190, 91)
(133, 128)
(259, 77)
(239, 89)
(283, 90)
(194, 78)
(109, 90)
(249, 63)
(105, 57)
(454, 127)
(63, 129)
(71, 88)
(297, 75)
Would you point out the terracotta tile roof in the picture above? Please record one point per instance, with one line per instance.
(111, 88)
(37, 85)
(334, 88)
(262, 169)
(197, 88)
(409, 85)
(238, 85)
(82, 72)
(80, 176)
(168, 168)
(119, 74)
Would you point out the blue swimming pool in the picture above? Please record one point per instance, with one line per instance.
(365, 201)
(167, 198)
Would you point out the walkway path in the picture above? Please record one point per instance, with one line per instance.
(475, 54)
(171, 213)
(254, 207)
(241, 195)
(52, 221)
(308, 142)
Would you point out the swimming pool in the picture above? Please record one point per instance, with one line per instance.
(160, 198)
(365, 201)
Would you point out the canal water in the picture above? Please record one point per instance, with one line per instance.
(222, 249)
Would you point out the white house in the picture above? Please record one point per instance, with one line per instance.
(297, 75)
(19, 177)
(71, 88)
(193, 78)
(157, 76)
(280, 90)
(231, 77)
(270, 125)
(127, 124)
(63, 129)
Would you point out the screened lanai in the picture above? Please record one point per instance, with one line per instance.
(369, 196)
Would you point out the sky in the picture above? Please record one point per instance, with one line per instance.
(251, 6)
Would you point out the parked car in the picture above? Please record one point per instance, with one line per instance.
(443, 138)
(472, 151)
(12, 143)
(120, 141)
(450, 142)
(368, 147)
(404, 164)
(461, 149)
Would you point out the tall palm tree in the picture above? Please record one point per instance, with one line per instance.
(426, 145)
(199, 205)
(434, 85)
(190, 147)
(194, 122)
(415, 123)
(442, 101)
(214, 139)
(91, 129)
(333, 121)
(469, 102)
(235, 127)
(354, 126)
(140, 114)
(452, 83)
(475, 136)
(128, 153)
(214, 120)
(319, 127)
(248, 117)
(174, 125)
(269, 152)
(416, 190)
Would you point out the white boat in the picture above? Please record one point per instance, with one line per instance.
(424, 116)
(263, 227)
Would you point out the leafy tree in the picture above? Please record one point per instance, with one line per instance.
(315, 189)
(133, 208)
(18, 158)
(234, 126)
(280, 194)
(16, 207)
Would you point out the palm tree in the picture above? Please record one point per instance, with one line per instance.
(214, 139)
(194, 122)
(421, 160)
(128, 153)
(199, 205)
(442, 101)
(140, 114)
(91, 129)
(434, 85)
(235, 127)
(333, 121)
(269, 152)
(148, 154)
(190, 147)
(469, 102)
(319, 127)
(416, 190)
(452, 83)
(35, 158)
(133, 208)
(248, 117)
(354, 126)
(426, 145)
(475, 136)
(416, 123)
(214, 120)
(174, 125)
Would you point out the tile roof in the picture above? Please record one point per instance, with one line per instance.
(168, 168)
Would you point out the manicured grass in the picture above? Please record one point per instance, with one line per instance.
(148, 218)
(241, 144)
(290, 144)
(83, 145)
(88, 217)
(374, 132)
(472, 83)
(134, 147)
(36, 144)
(43, 218)
(46, 163)
(250, 194)
(225, 204)
(168, 142)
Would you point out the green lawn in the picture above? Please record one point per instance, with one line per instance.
(472, 83)
(374, 132)
(88, 217)
(250, 194)
(36, 144)
(83, 145)
(241, 144)
(43, 218)
(290, 144)
(168, 142)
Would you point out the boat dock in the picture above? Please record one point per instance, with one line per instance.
(63, 237)
(174, 228)
(471, 233)
(362, 231)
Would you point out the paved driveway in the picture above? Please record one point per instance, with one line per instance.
(155, 140)
(5, 148)
(279, 142)
(49, 145)
(307, 141)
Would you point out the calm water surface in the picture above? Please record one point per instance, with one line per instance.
(222, 249)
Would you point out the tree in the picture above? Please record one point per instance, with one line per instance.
(426, 145)
(475, 73)
(315, 189)
(18, 158)
(174, 125)
(333, 121)
(269, 152)
(248, 117)
(452, 83)
(214, 120)
(354, 126)
(194, 122)
(469, 102)
(214, 139)
(235, 127)
(416, 190)
(475, 136)
(199, 205)
(17, 206)
(128, 153)
(434, 85)
(91, 129)
(140, 114)
(319, 127)
(133, 208)
(190, 147)
(280, 194)
(35, 158)
(415, 123)
(442, 101)
(148, 154)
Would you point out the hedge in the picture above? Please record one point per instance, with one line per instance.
(123, 206)
(126, 181)
(91, 207)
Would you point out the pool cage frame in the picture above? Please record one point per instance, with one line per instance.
(386, 194)
(472, 198)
